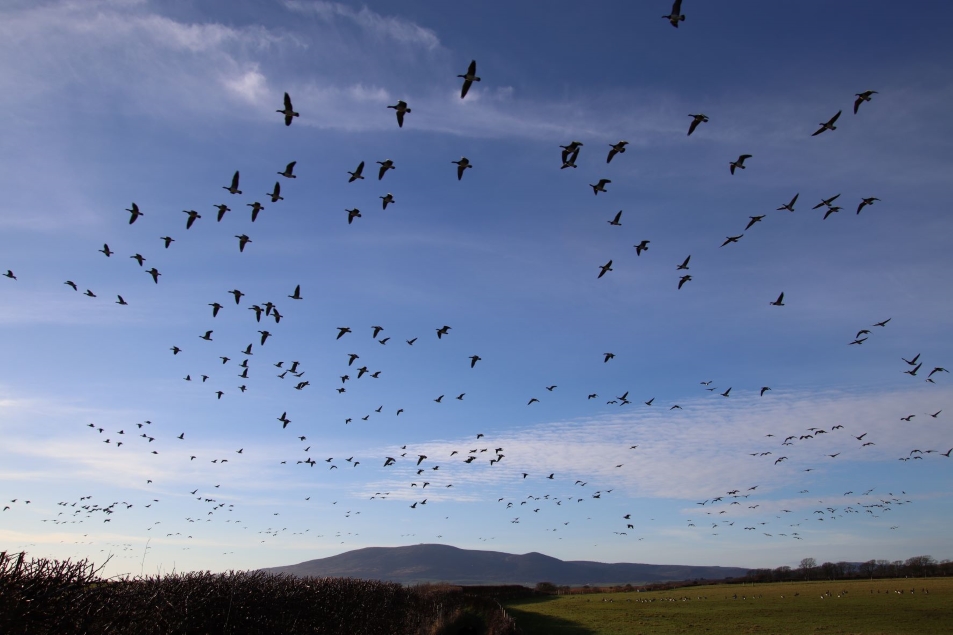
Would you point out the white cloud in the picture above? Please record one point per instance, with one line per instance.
(389, 27)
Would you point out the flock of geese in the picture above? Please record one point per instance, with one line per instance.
(725, 508)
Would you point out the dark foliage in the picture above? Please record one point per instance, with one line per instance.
(40, 597)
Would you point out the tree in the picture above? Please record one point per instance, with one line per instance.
(547, 587)
(867, 569)
(807, 567)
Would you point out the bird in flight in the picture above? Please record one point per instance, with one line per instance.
(444, 330)
(696, 119)
(288, 110)
(242, 241)
(474, 359)
(289, 171)
(676, 15)
(615, 221)
(779, 301)
(642, 246)
(401, 108)
(468, 79)
(275, 194)
(616, 149)
(829, 125)
(233, 188)
(238, 295)
(865, 202)
(385, 165)
(790, 206)
(731, 239)
(604, 268)
(608, 356)
(192, 216)
(297, 294)
(462, 165)
(341, 331)
(826, 201)
(222, 208)
(832, 210)
(684, 265)
(357, 174)
(740, 163)
(683, 280)
(134, 210)
(600, 186)
(764, 389)
(352, 214)
(387, 199)
(754, 219)
(155, 274)
(571, 149)
(862, 97)
(106, 251)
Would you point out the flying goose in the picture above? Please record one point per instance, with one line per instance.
(192, 216)
(684, 264)
(289, 169)
(242, 241)
(740, 163)
(106, 250)
(352, 214)
(468, 79)
(862, 97)
(826, 201)
(865, 202)
(462, 165)
(135, 213)
(222, 208)
(779, 301)
(603, 269)
(276, 193)
(255, 208)
(570, 149)
(615, 221)
(696, 119)
(356, 174)
(642, 246)
(387, 199)
(683, 280)
(288, 111)
(401, 108)
(615, 149)
(829, 125)
(233, 188)
(676, 15)
(600, 186)
(385, 165)
(790, 206)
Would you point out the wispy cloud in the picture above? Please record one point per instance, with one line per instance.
(385, 27)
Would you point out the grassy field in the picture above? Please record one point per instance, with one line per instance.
(858, 607)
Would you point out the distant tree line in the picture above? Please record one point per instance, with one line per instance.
(808, 569)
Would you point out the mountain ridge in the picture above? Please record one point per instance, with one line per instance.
(444, 563)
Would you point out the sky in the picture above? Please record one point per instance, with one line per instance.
(110, 103)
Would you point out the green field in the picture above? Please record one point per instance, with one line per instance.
(858, 607)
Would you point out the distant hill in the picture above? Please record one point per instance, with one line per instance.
(443, 563)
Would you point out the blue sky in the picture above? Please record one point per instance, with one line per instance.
(106, 103)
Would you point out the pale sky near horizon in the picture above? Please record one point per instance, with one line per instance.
(109, 102)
